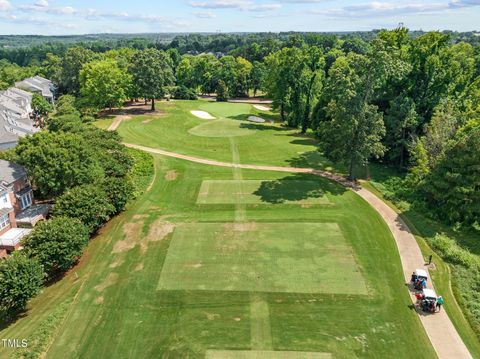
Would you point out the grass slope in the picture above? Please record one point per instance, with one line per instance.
(116, 311)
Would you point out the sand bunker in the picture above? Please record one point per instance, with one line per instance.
(256, 119)
(262, 108)
(203, 115)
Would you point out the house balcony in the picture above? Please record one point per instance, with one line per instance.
(10, 241)
(33, 214)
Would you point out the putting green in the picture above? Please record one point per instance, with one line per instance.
(264, 354)
(262, 191)
(221, 128)
(261, 257)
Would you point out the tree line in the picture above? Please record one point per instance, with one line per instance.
(88, 176)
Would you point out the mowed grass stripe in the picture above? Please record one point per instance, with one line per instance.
(261, 257)
(262, 192)
(264, 354)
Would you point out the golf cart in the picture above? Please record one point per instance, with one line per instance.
(418, 277)
(429, 300)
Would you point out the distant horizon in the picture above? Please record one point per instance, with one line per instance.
(233, 32)
(68, 17)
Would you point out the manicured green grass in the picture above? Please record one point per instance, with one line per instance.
(115, 309)
(179, 131)
(222, 128)
(261, 257)
(258, 192)
(263, 354)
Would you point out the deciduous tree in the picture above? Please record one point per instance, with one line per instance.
(57, 244)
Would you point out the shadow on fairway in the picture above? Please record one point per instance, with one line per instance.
(296, 188)
(313, 159)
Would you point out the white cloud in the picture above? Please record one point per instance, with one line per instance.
(5, 5)
(245, 5)
(41, 3)
(44, 6)
(205, 14)
(377, 8)
(221, 4)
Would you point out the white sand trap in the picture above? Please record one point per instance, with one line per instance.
(203, 115)
(262, 108)
(256, 119)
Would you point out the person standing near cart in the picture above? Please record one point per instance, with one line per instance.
(439, 303)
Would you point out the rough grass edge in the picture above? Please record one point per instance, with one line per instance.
(142, 171)
(39, 340)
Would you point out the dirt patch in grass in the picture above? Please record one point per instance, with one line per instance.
(138, 267)
(109, 281)
(139, 216)
(99, 300)
(171, 175)
(158, 231)
(132, 234)
(117, 263)
(212, 316)
(241, 227)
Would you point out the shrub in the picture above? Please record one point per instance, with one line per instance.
(88, 203)
(119, 191)
(20, 279)
(184, 93)
(452, 252)
(142, 170)
(57, 244)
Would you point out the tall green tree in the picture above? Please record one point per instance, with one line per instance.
(401, 121)
(41, 106)
(71, 65)
(104, 84)
(354, 128)
(258, 77)
(152, 72)
(452, 189)
(88, 203)
(57, 161)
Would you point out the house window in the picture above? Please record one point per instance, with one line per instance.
(26, 200)
(4, 221)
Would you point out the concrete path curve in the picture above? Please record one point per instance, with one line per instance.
(117, 121)
(441, 331)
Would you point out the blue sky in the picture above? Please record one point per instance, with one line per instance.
(58, 17)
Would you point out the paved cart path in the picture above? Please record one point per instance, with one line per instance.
(117, 121)
(441, 331)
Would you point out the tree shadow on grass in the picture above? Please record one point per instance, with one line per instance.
(316, 160)
(297, 187)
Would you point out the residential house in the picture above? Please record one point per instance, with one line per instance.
(18, 213)
(38, 85)
(15, 117)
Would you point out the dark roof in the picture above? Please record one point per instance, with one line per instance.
(11, 172)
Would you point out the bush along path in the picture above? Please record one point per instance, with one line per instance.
(441, 331)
